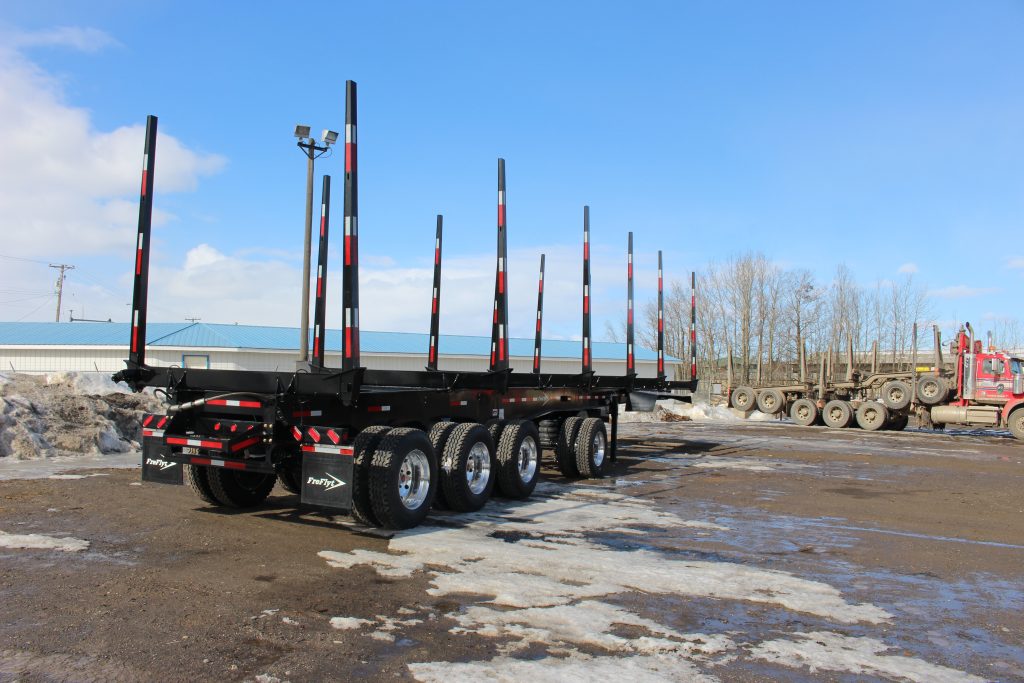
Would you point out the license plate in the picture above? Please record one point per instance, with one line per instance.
(189, 450)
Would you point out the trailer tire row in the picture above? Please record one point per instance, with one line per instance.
(237, 489)
(519, 456)
(591, 446)
(395, 461)
(460, 454)
(439, 435)
(565, 448)
(199, 482)
(363, 449)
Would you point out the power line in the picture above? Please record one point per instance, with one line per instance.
(26, 260)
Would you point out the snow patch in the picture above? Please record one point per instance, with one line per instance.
(574, 668)
(822, 650)
(40, 542)
(348, 623)
(89, 383)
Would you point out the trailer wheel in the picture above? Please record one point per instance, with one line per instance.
(837, 414)
(565, 449)
(896, 394)
(548, 433)
(439, 435)
(495, 427)
(290, 479)
(804, 412)
(518, 459)
(1016, 423)
(872, 416)
(199, 482)
(770, 401)
(240, 489)
(403, 477)
(592, 449)
(362, 453)
(932, 390)
(898, 423)
(743, 399)
(467, 468)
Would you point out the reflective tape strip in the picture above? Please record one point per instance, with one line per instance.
(332, 450)
(378, 409)
(460, 403)
(234, 404)
(152, 433)
(196, 443)
(307, 413)
(245, 444)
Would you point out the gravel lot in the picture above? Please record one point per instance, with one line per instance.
(747, 552)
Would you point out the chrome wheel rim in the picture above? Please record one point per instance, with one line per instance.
(836, 414)
(527, 459)
(414, 479)
(599, 446)
(478, 467)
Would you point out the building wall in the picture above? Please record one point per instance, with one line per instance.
(42, 359)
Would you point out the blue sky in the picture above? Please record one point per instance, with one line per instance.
(886, 135)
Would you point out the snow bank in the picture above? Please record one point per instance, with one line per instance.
(41, 542)
(69, 414)
(671, 410)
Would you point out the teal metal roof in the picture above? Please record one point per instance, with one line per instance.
(209, 335)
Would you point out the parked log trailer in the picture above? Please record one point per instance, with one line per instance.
(384, 446)
(979, 388)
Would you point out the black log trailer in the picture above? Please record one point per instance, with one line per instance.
(382, 445)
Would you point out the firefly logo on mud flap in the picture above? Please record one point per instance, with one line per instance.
(328, 484)
(162, 464)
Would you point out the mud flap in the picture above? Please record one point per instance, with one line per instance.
(156, 467)
(327, 480)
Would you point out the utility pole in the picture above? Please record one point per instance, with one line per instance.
(312, 151)
(62, 267)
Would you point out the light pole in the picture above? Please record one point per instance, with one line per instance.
(312, 151)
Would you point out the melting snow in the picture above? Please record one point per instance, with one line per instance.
(348, 623)
(41, 542)
(835, 652)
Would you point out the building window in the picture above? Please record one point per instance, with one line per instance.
(195, 362)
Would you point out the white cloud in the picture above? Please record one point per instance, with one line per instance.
(80, 38)
(64, 186)
(1017, 263)
(960, 292)
(909, 268)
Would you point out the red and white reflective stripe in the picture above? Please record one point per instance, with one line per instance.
(145, 172)
(460, 403)
(135, 330)
(313, 434)
(245, 444)
(152, 433)
(147, 419)
(297, 433)
(437, 250)
(348, 333)
(319, 281)
(323, 217)
(433, 302)
(196, 443)
(138, 255)
(234, 404)
(334, 436)
(378, 409)
(323, 448)
(213, 462)
(586, 298)
(307, 413)
(162, 422)
(501, 208)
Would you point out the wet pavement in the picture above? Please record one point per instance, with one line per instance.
(741, 551)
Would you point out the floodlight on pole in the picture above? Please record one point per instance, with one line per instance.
(312, 151)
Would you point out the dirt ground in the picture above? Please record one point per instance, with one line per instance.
(733, 552)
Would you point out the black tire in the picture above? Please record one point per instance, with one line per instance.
(494, 428)
(743, 399)
(1016, 423)
(565, 448)
(933, 390)
(837, 414)
(438, 436)
(362, 453)
(896, 394)
(872, 416)
(403, 478)
(199, 482)
(771, 401)
(898, 423)
(237, 489)
(290, 479)
(804, 412)
(459, 493)
(518, 457)
(592, 449)
(548, 433)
